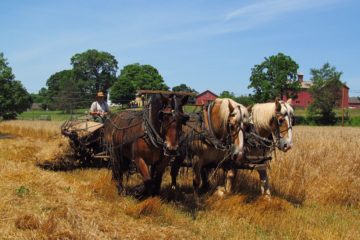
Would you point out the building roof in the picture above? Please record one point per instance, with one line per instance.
(207, 91)
(354, 100)
(140, 92)
(308, 84)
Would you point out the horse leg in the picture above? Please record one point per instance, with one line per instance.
(175, 167)
(117, 170)
(145, 173)
(229, 180)
(264, 183)
(159, 171)
(205, 185)
(197, 180)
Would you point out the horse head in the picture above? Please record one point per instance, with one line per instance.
(282, 124)
(228, 124)
(238, 118)
(171, 118)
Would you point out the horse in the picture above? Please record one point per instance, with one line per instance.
(271, 126)
(147, 138)
(212, 138)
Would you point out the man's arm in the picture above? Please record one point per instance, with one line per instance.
(93, 110)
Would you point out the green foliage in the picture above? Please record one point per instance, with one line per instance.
(123, 91)
(242, 99)
(22, 191)
(184, 88)
(94, 71)
(227, 94)
(65, 92)
(245, 100)
(14, 98)
(326, 92)
(275, 77)
(135, 77)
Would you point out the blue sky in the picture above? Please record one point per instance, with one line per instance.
(205, 44)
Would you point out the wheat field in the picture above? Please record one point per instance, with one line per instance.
(315, 187)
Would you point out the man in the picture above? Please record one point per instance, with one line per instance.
(99, 109)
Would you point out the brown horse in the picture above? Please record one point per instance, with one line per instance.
(212, 140)
(273, 123)
(148, 138)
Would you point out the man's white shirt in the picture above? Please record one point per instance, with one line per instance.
(99, 107)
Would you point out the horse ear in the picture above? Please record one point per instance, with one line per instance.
(277, 105)
(289, 101)
(164, 99)
(184, 100)
(249, 108)
(231, 107)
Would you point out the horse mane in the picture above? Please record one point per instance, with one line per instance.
(262, 113)
(155, 105)
(289, 108)
(220, 128)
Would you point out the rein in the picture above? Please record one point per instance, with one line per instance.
(217, 143)
(150, 131)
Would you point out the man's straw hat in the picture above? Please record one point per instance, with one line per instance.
(100, 94)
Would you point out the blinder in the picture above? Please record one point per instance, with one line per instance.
(161, 114)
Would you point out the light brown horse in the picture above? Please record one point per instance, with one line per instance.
(149, 138)
(212, 141)
(273, 121)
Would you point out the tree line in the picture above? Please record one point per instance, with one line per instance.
(94, 71)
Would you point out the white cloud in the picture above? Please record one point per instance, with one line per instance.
(265, 10)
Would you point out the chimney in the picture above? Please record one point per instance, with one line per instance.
(300, 77)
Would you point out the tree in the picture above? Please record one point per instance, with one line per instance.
(245, 100)
(227, 94)
(183, 88)
(94, 71)
(122, 91)
(326, 93)
(14, 98)
(65, 92)
(41, 97)
(275, 77)
(135, 77)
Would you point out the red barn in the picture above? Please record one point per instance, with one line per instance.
(354, 102)
(205, 97)
(304, 97)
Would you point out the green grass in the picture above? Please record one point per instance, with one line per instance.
(301, 112)
(57, 115)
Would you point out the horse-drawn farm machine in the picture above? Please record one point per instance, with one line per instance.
(86, 136)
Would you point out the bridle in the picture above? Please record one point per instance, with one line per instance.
(175, 115)
(279, 121)
(230, 135)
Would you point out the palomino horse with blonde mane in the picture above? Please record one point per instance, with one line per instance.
(271, 123)
(147, 138)
(212, 141)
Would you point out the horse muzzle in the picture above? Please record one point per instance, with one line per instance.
(285, 145)
(236, 153)
(171, 150)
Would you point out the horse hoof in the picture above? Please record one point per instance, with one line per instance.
(220, 192)
(266, 197)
